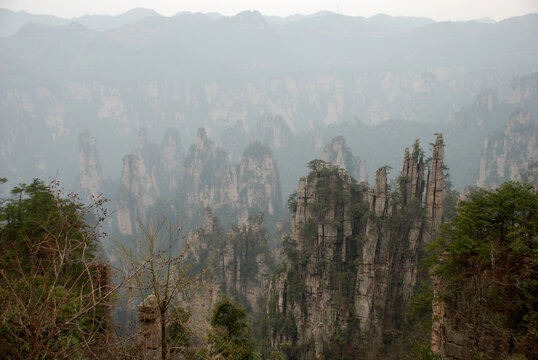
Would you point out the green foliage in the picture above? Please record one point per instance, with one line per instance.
(422, 352)
(487, 259)
(33, 214)
(420, 305)
(230, 336)
(292, 202)
(409, 214)
(316, 165)
(248, 244)
(179, 333)
(450, 200)
(52, 303)
(489, 224)
(309, 233)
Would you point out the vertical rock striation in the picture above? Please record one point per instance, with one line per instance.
(148, 172)
(258, 183)
(139, 186)
(352, 260)
(171, 161)
(524, 92)
(210, 179)
(531, 174)
(435, 186)
(205, 178)
(91, 175)
(509, 151)
(237, 264)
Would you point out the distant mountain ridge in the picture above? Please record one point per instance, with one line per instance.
(11, 21)
(342, 42)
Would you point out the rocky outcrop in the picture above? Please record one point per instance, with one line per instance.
(412, 176)
(353, 258)
(530, 175)
(171, 162)
(139, 187)
(485, 114)
(470, 127)
(310, 297)
(148, 173)
(524, 93)
(236, 263)
(210, 178)
(91, 174)
(258, 183)
(54, 113)
(246, 263)
(509, 151)
(205, 178)
(337, 153)
(435, 186)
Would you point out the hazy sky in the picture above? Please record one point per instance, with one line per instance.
(436, 9)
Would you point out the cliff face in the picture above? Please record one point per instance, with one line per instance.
(337, 153)
(258, 183)
(246, 263)
(91, 174)
(236, 263)
(470, 127)
(509, 151)
(54, 111)
(148, 172)
(352, 260)
(204, 178)
(524, 93)
(233, 191)
(171, 161)
(210, 178)
(531, 174)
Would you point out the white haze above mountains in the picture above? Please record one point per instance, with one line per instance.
(12, 21)
(293, 83)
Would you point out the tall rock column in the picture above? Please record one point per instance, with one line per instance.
(409, 218)
(139, 184)
(210, 180)
(138, 191)
(258, 183)
(91, 174)
(434, 211)
(412, 176)
(149, 172)
(435, 187)
(370, 292)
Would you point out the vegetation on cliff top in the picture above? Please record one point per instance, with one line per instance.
(487, 259)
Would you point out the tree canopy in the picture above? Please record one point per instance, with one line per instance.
(52, 298)
(487, 259)
(230, 336)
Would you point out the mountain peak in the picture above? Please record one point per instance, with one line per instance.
(250, 20)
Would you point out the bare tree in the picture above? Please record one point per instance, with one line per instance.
(160, 273)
